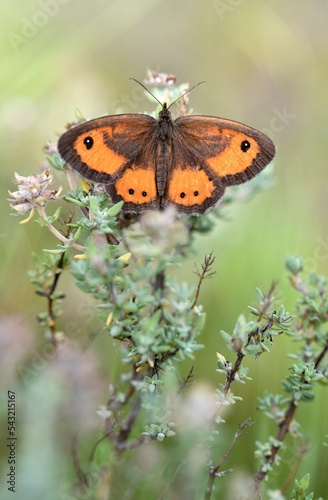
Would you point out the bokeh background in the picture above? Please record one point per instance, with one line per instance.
(266, 64)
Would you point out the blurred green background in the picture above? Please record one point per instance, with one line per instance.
(266, 64)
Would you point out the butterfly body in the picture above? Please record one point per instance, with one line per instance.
(150, 163)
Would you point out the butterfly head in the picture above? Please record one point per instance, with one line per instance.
(164, 113)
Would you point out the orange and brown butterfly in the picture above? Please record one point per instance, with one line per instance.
(151, 163)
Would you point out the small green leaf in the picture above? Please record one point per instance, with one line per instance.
(52, 218)
(115, 209)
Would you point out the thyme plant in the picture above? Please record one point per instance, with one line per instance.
(127, 265)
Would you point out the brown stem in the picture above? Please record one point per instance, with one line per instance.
(119, 440)
(127, 424)
(81, 476)
(94, 448)
(231, 375)
(284, 428)
(58, 234)
(321, 356)
(214, 471)
(295, 467)
(50, 300)
(267, 301)
(204, 274)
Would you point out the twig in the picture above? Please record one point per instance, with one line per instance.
(293, 470)
(203, 274)
(50, 300)
(267, 300)
(240, 356)
(261, 314)
(58, 234)
(51, 312)
(187, 380)
(232, 373)
(283, 430)
(119, 440)
(214, 471)
(94, 448)
(321, 356)
(82, 478)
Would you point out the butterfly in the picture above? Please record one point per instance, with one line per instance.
(151, 163)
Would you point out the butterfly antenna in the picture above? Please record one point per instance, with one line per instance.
(159, 102)
(147, 90)
(187, 92)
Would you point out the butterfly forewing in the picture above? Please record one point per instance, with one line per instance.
(101, 149)
(231, 152)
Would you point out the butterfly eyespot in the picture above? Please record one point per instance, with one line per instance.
(182, 195)
(196, 193)
(88, 142)
(131, 191)
(144, 193)
(245, 145)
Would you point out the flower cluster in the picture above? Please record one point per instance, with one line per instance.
(33, 191)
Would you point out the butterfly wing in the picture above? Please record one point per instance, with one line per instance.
(201, 156)
(118, 152)
(210, 154)
(233, 152)
(189, 187)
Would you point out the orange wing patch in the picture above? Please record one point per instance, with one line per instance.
(189, 187)
(237, 157)
(137, 185)
(93, 151)
(137, 188)
(192, 191)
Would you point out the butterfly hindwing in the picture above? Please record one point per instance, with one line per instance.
(192, 191)
(189, 187)
(137, 187)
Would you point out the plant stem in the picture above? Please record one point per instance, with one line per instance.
(214, 471)
(58, 234)
(284, 428)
